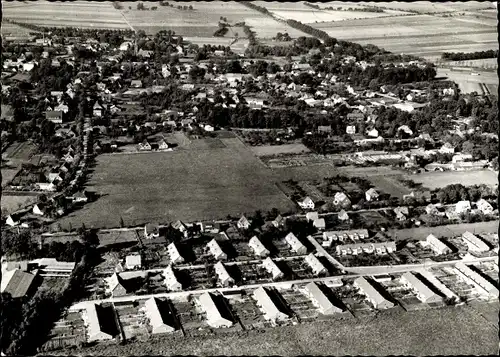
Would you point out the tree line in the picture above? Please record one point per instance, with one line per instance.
(464, 56)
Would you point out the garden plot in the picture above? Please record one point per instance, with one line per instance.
(450, 279)
(197, 278)
(11, 204)
(280, 248)
(249, 314)
(253, 273)
(121, 238)
(244, 251)
(68, 331)
(300, 304)
(295, 268)
(189, 316)
(132, 319)
(353, 300)
(488, 271)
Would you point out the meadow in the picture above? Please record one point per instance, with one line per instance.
(185, 184)
(266, 150)
(433, 180)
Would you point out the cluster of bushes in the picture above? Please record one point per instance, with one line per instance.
(250, 35)
(465, 56)
(456, 192)
(222, 30)
(282, 37)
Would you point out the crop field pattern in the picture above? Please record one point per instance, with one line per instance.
(187, 185)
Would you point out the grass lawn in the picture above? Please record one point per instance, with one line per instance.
(447, 331)
(266, 150)
(435, 180)
(186, 184)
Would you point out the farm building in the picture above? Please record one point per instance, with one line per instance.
(17, 283)
(273, 310)
(133, 261)
(436, 245)
(357, 248)
(315, 264)
(97, 329)
(174, 254)
(115, 285)
(216, 308)
(367, 289)
(160, 315)
(424, 293)
(295, 244)
(484, 206)
(215, 249)
(243, 223)
(470, 276)
(427, 275)
(344, 235)
(51, 267)
(151, 231)
(306, 203)
(224, 278)
(171, 280)
(258, 247)
(320, 300)
(474, 243)
(272, 268)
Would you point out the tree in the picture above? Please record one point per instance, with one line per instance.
(140, 6)
(122, 223)
(190, 7)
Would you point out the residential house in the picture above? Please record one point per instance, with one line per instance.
(151, 231)
(372, 133)
(171, 281)
(462, 207)
(320, 300)
(371, 195)
(12, 220)
(370, 248)
(243, 223)
(367, 289)
(224, 278)
(474, 278)
(181, 227)
(273, 309)
(136, 83)
(160, 316)
(474, 243)
(55, 116)
(259, 249)
(97, 110)
(484, 206)
(278, 221)
(272, 268)
(39, 209)
(317, 267)
(319, 224)
(115, 285)
(340, 199)
(350, 129)
(97, 330)
(306, 203)
(401, 213)
(174, 254)
(428, 276)
(216, 309)
(295, 244)
(343, 216)
(447, 148)
(215, 249)
(133, 261)
(312, 216)
(144, 146)
(436, 245)
(424, 293)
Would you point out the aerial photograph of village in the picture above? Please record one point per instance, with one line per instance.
(249, 178)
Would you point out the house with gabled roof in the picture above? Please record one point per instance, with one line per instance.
(366, 288)
(320, 300)
(115, 285)
(295, 244)
(279, 221)
(272, 268)
(424, 293)
(243, 223)
(216, 308)
(314, 263)
(160, 315)
(273, 308)
(343, 216)
(17, 283)
(171, 280)
(222, 274)
(259, 249)
(306, 203)
(371, 194)
(151, 230)
(216, 250)
(340, 199)
(174, 254)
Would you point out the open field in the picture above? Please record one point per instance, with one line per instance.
(13, 203)
(187, 185)
(266, 150)
(75, 14)
(389, 185)
(8, 175)
(203, 20)
(424, 6)
(423, 35)
(468, 83)
(435, 180)
(451, 230)
(459, 330)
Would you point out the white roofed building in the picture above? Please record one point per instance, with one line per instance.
(320, 300)
(471, 276)
(171, 279)
(272, 268)
(484, 206)
(174, 254)
(94, 324)
(367, 289)
(317, 267)
(224, 278)
(218, 315)
(215, 249)
(295, 244)
(474, 243)
(437, 246)
(160, 316)
(424, 293)
(259, 249)
(272, 310)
